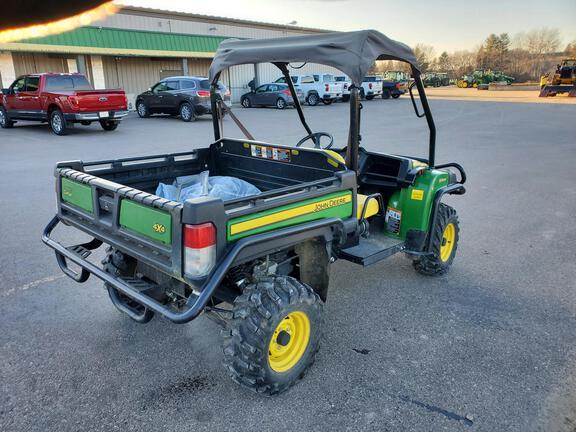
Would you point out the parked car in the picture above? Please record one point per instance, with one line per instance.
(184, 96)
(395, 84)
(274, 94)
(346, 83)
(317, 87)
(61, 100)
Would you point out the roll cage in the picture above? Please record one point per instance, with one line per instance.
(350, 52)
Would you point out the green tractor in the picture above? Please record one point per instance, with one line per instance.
(481, 78)
(435, 79)
(258, 262)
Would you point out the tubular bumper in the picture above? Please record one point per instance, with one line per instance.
(196, 303)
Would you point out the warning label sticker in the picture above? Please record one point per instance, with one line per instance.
(417, 194)
(393, 219)
(265, 152)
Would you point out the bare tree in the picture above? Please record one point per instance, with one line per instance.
(462, 62)
(571, 49)
(424, 55)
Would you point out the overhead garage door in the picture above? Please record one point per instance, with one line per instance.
(199, 67)
(25, 63)
(136, 75)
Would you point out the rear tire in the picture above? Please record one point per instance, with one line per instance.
(281, 103)
(313, 99)
(370, 97)
(142, 109)
(345, 98)
(396, 96)
(109, 125)
(5, 122)
(186, 112)
(445, 236)
(58, 123)
(274, 334)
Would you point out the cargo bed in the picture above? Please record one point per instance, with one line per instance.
(114, 200)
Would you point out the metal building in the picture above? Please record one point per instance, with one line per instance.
(136, 47)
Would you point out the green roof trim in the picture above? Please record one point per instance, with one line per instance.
(97, 37)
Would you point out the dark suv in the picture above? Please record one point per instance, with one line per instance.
(187, 97)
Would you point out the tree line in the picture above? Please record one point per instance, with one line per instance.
(525, 56)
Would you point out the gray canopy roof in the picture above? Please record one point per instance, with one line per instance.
(351, 52)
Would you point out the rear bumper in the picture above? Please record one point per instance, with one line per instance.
(94, 116)
(332, 96)
(196, 303)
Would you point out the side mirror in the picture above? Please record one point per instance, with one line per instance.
(5, 91)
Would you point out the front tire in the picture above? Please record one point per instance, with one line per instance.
(274, 334)
(445, 236)
(109, 125)
(370, 97)
(186, 112)
(246, 103)
(142, 109)
(5, 122)
(281, 103)
(327, 101)
(58, 123)
(313, 99)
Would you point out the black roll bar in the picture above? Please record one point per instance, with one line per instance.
(428, 114)
(284, 69)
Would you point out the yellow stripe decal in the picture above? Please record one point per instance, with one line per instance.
(289, 214)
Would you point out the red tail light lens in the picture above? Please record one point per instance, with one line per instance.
(203, 93)
(370, 86)
(398, 85)
(327, 87)
(287, 92)
(199, 249)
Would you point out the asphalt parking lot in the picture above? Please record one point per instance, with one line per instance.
(487, 347)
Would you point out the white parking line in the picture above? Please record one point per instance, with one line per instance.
(32, 284)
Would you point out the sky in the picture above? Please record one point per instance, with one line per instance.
(447, 25)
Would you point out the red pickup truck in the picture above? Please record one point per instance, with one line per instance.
(61, 100)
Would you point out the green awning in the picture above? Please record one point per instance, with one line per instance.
(96, 40)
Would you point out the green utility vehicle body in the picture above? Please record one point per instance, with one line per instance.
(267, 254)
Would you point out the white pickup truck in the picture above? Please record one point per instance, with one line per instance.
(371, 87)
(346, 83)
(317, 87)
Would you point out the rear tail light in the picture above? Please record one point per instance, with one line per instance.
(398, 85)
(199, 249)
(370, 86)
(203, 93)
(287, 92)
(327, 87)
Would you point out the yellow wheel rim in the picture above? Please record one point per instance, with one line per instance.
(448, 239)
(464, 84)
(289, 341)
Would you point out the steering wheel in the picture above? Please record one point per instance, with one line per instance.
(315, 137)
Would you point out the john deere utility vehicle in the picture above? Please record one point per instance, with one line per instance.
(563, 80)
(261, 263)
